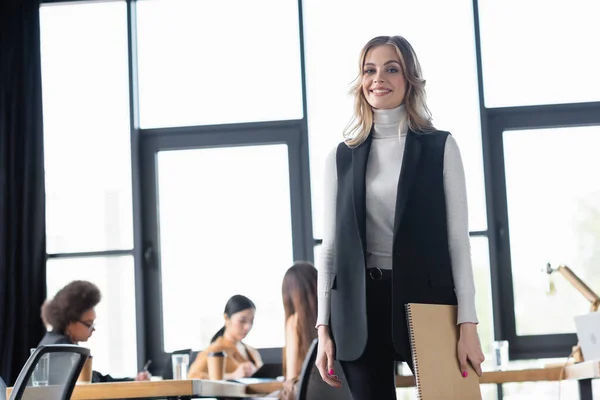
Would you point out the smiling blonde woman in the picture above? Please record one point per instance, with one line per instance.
(395, 229)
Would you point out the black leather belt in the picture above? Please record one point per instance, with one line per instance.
(378, 274)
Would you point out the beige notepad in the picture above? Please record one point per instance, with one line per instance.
(433, 335)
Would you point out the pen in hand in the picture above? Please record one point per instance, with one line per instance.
(145, 369)
(144, 375)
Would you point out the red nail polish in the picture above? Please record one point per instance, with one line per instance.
(331, 372)
(465, 374)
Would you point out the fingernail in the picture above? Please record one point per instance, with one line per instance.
(465, 374)
(331, 371)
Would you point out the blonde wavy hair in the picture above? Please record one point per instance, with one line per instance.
(418, 114)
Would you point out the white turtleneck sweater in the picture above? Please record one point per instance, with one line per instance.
(382, 175)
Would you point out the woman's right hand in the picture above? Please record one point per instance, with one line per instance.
(244, 370)
(326, 357)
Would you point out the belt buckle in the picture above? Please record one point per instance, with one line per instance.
(375, 273)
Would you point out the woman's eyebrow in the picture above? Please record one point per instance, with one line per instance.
(386, 63)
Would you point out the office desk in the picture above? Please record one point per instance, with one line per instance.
(167, 388)
(583, 372)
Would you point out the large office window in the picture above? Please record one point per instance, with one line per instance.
(552, 218)
(225, 229)
(222, 218)
(536, 145)
(451, 89)
(333, 44)
(449, 67)
(218, 62)
(88, 164)
(220, 100)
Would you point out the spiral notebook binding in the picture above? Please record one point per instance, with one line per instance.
(413, 352)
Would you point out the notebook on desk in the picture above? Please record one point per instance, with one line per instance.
(433, 334)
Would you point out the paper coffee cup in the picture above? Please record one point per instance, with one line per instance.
(216, 365)
(85, 376)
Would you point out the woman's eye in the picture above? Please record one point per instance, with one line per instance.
(369, 71)
(392, 70)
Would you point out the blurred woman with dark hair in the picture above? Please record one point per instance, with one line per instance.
(242, 360)
(299, 292)
(70, 318)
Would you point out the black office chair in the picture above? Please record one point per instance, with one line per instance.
(63, 362)
(167, 372)
(2, 390)
(312, 387)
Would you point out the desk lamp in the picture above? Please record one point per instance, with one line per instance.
(582, 288)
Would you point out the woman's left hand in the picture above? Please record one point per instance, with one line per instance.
(143, 376)
(469, 349)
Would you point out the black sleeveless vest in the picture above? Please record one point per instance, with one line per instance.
(421, 270)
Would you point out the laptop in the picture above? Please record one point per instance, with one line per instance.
(588, 334)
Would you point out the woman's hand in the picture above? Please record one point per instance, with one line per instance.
(244, 370)
(469, 349)
(143, 376)
(326, 357)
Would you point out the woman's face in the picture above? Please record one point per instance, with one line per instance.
(239, 324)
(383, 82)
(81, 330)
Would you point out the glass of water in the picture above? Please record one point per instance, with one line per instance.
(40, 374)
(180, 365)
(500, 350)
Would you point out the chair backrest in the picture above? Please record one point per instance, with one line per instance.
(2, 390)
(312, 387)
(50, 373)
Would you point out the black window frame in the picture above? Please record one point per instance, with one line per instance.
(494, 121)
(148, 320)
(136, 196)
(530, 118)
(290, 133)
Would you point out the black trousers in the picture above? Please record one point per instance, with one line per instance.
(373, 375)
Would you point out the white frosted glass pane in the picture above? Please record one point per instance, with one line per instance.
(553, 195)
(225, 229)
(215, 62)
(86, 127)
(540, 52)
